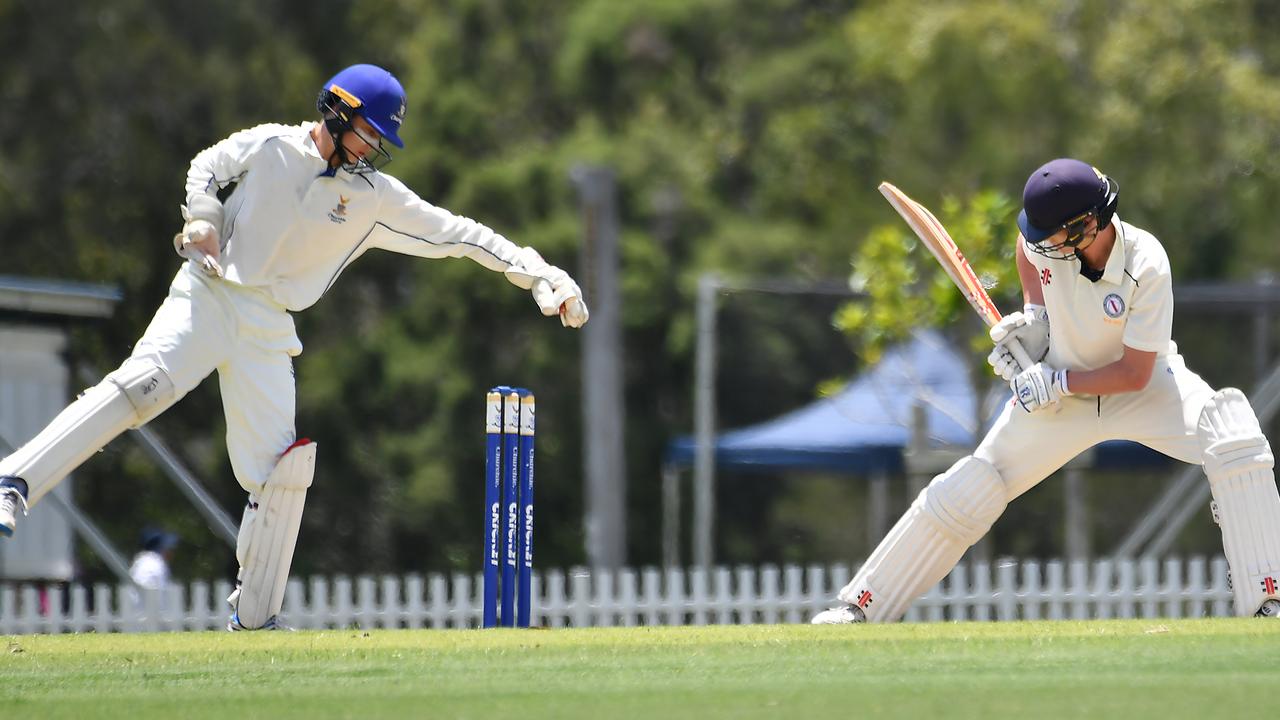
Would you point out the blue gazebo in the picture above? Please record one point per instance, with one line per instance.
(866, 428)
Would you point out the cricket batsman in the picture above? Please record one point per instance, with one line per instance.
(302, 202)
(1098, 323)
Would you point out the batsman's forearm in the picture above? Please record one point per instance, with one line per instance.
(1118, 377)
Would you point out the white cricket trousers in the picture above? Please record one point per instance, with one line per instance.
(1026, 448)
(209, 324)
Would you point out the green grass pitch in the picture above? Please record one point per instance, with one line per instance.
(1107, 669)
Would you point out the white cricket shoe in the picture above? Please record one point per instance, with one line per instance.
(842, 615)
(272, 623)
(12, 498)
(1270, 608)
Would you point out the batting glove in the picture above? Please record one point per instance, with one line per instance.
(1039, 387)
(1030, 328)
(200, 236)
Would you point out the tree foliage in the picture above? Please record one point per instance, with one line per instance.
(747, 137)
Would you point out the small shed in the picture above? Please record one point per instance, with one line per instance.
(35, 385)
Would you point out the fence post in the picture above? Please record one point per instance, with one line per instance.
(1197, 587)
(1221, 591)
(628, 599)
(746, 600)
(415, 613)
(1055, 590)
(1030, 593)
(1006, 594)
(1104, 600)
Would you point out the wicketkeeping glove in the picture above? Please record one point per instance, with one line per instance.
(1030, 328)
(1038, 387)
(552, 288)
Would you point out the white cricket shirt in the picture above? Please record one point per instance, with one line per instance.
(290, 228)
(1090, 323)
(149, 570)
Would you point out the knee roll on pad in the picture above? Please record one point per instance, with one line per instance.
(948, 516)
(268, 535)
(966, 499)
(136, 392)
(1239, 464)
(146, 386)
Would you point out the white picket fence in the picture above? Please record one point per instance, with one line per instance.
(1007, 590)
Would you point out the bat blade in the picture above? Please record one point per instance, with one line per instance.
(939, 243)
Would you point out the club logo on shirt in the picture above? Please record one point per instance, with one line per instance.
(1046, 276)
(1113, 305)
(339, 213)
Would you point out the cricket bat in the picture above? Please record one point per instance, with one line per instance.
(944, 249)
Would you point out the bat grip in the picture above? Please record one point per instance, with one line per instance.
(1020, 354)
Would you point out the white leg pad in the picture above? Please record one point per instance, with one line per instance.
(127, 398)
(1246, 505)
(948, 516)
(268, 535)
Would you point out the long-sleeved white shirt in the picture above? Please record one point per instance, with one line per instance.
(290, 228)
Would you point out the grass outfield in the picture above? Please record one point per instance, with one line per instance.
(1128, 669)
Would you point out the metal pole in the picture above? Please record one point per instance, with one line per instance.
(221, 523)
(670, 515)
(92, 535)
(1076, 513)
(217, 518)
(877, 507)
(603, 403)
(704, 422)
(1177, 504)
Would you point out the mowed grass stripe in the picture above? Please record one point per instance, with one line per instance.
(1131, 669)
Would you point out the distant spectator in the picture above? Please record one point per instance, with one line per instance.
(150, 569)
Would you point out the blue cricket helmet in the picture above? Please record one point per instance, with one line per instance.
(370, 92)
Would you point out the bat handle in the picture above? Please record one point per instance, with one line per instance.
(1020, 354)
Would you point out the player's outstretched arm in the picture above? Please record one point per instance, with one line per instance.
(410, 225)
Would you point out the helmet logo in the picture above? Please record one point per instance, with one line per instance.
(347, 97)
(398, 116)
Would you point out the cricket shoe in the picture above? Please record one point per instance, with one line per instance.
(13, 497)
(842, 615)
(272, 623)
(1270, 608)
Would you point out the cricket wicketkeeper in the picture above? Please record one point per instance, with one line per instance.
(302, 203)
(1098, 325)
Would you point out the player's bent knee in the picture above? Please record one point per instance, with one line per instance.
(146, 386)
(1231, 439)
(966, 499)
(1246, 505)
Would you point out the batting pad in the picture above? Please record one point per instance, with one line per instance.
(268, 535)
(127, 398)
(948, 516)
(1238, 462)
